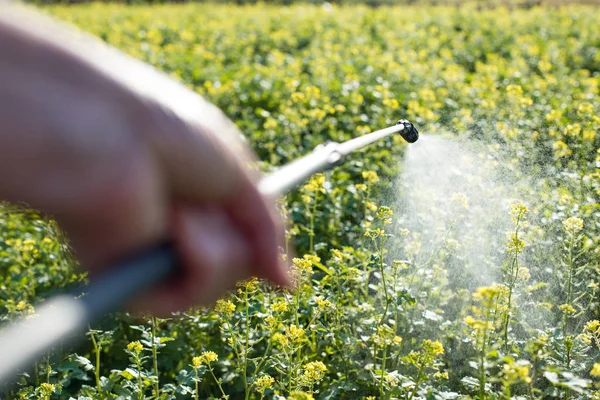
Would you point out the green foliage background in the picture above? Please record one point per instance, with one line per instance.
(524, 83)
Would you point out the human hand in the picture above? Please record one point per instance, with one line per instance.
(123, 157)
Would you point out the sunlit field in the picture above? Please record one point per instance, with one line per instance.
(406, 288)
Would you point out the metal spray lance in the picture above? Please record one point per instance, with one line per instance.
(64, 319)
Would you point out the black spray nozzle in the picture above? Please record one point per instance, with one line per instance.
(409, 133)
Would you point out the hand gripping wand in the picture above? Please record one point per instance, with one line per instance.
(64, 319)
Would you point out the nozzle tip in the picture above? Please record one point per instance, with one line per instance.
(409, 133)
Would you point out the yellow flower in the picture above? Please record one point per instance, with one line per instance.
(592, 326)
(515, 245)
(28, 242)
(297, 97)
(270, 123)
(135, 346)
(487, 295)
(370, 176)
(589, 135)
(338, 254)
(264, 382)
(391, 103)
(281, 339)
(385, 215)
(251, 284)
(544, 65)
(516, 372)
(322, 303)
(478, 325)
(271, 322)
(302, 267)
(197, 362)
(225, 307)
(524, 274)
(384, 335)
(280, 306)
(47, 389)
(567, 309)
(300, 396)
(312, 258)
(205, 358)
(525, 101)
(514, 90)
(374, 233)
(313, 372)
(210, 356)
(434, 348)
(441, 375)
(573, 225)
(572, 130)
(315, 184)
(518, 212)
(585, 109)
(554, 116)
(561, 149)
(595, 370)
(361, 187)
(295, 334)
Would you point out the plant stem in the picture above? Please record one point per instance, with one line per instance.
(383, 281)
(289, 362)
(246, 348)
(196, 382)
(515, 265)
(568, 349)
(569, 285)
(140, 383)
(512, 280)
(311, 233)
(264, 358)
(37, 376)
(48, 368)
(97, 369)
(530, 390)
(218, 382)
(482, 360)
(418, 381)
(381, 391)
(155, 358)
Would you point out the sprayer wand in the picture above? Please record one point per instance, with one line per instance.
(65, 318)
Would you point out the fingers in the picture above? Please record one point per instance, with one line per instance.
(214, 255)
(257, 219)
(209, 167)
(206, 164)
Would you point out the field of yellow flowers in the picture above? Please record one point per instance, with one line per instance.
(378, 312)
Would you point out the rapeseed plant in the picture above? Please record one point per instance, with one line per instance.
(379, 309)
